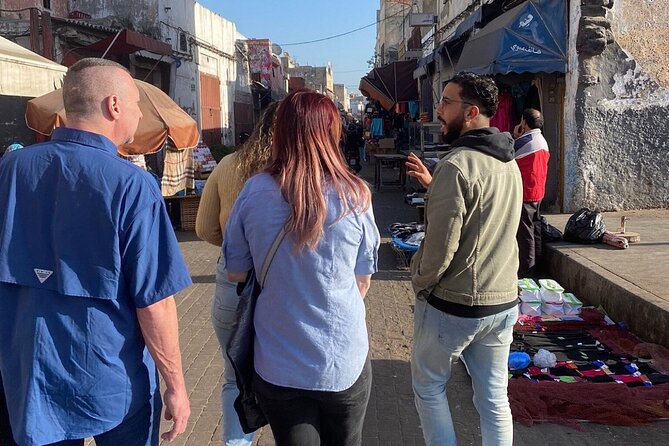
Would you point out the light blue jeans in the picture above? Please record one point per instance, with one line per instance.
(439, 340)
(222, 317)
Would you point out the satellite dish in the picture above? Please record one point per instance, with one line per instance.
(276, 49)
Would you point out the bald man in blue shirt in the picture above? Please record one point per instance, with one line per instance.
(88, 267)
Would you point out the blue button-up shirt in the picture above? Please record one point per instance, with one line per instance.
(310, 318)
(84, 241)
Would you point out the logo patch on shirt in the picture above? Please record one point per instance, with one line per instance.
(42, 274)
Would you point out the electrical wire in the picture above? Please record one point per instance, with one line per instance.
(347, 32)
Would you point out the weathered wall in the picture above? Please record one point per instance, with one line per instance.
(389, 30)
(315, 78)
(58, 8)
(341, 96)
(620, 157)
(216, 56)
(139, 16)
(177, 18)
(641, 28)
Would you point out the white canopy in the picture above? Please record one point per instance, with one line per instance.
(24, 73)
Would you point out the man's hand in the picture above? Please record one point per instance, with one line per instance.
(160, 329)
(416, 169)
(177, 409)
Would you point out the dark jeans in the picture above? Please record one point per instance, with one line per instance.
(5, 428)
(312, 418)
(529, 238)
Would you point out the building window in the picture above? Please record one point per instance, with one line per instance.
(183, 42)
(46, 4)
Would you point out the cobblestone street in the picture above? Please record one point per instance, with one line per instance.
(391, 416)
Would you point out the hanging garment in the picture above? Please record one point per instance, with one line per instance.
(178, 173)
(519, 92)
(503, 119)
(414, 109)
(377, 127)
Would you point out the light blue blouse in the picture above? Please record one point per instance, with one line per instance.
(310, 318)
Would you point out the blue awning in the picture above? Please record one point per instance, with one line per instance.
(530, 38)
(467, 24)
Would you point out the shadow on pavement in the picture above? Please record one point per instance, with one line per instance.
(210, 278)
(391, 415)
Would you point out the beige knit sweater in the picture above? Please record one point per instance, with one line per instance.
(220, 192)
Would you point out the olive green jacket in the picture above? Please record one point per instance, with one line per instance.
(469, 255)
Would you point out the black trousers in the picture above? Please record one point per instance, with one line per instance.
(529, 238)
(5, 428)
(313, 418)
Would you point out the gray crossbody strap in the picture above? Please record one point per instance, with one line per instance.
(270, 256)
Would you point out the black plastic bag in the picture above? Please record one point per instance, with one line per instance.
(585, 226)
(549, 233)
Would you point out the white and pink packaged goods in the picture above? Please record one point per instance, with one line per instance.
(552, 301)
(530, 299)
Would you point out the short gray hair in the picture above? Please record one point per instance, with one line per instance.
(83, 89)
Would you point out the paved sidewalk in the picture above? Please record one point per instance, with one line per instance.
(391, 417)
(631, 284)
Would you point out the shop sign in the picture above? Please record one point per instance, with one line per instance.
(422, 19)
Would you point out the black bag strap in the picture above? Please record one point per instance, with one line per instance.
(270, 256)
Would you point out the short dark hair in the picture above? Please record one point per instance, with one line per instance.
(479, 90)
(533, 118)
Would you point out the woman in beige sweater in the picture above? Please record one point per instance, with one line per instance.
(220, 193)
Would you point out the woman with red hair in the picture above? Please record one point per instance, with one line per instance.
(313, 376)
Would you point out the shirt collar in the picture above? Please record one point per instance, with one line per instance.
(85, 138)
(529, 132)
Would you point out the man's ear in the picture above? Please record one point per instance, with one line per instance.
(112, 107)
(473, 112)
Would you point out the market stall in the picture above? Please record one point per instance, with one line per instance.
(23, 75)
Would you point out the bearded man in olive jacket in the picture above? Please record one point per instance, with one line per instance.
(465, 272)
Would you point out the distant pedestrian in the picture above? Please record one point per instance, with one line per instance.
(532, 156)
(313, 375)
(464, 273)
(88, 266)
(220, 192)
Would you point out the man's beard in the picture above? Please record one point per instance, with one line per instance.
(454, 130)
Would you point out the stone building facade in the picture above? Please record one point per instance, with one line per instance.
(320, 79)
(342, 96)
(616, 148)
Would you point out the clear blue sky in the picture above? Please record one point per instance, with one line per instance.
(289, 21)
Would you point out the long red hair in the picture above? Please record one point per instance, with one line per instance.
(305, 158)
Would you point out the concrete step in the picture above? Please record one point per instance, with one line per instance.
(632, 285)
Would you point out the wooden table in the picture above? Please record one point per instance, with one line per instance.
(390, 160)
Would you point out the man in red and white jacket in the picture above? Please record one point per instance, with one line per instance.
(532, 157)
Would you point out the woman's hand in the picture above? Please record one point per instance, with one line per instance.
(363, 283)
(237, 277)
(416, 169)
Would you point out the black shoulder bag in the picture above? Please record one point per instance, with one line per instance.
(240, 344)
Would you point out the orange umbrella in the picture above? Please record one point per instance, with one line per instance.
(162, 118)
